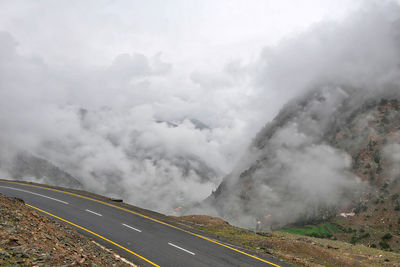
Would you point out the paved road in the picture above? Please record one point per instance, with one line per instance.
(136, 236)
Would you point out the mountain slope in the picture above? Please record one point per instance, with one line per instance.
(322, 153)
(28, 167)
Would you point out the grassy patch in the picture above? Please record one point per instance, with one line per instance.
(321, 230)
(333, 228)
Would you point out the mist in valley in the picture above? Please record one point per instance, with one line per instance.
(162, 121)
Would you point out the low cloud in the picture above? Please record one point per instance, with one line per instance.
(122, 130)
(131, 128)
(292, 171)
(391, 153)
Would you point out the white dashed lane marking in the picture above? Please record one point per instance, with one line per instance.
(98, 214)
(130, 227)
(33, 193)
(181, 248)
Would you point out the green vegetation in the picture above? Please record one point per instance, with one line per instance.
(397, 206)
(364, 235)
(353, 239)
(360, 207)
(379, 169)
(387, 236)
(377, 157)
(384, 245)
(371, 176)
(325, 230)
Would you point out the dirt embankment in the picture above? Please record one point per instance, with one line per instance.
(30, 239)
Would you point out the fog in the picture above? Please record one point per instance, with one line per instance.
(100, 127)
(391, 153)
(292, 172)
(145, 109)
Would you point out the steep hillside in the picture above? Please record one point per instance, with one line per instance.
(335, 150)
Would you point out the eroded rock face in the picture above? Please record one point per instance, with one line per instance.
(320, 154)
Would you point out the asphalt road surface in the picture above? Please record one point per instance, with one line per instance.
(136, 236)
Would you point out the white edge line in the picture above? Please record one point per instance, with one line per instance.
(33, 193)
(181, 248)
(98, 214)
(133, 228)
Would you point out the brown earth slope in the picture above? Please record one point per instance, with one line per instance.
(30, 239)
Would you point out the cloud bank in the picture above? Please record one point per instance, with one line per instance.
(143, 129)
(292, 172)
(131, 129)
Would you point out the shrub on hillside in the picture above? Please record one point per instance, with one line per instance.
(384, 245)
(387, 236)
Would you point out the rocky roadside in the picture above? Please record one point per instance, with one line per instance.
(296, 250)
(30, 239)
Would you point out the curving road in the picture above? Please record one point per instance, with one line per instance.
(134, 235)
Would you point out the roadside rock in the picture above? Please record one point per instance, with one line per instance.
(29, 239)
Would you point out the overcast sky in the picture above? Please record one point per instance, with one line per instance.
(193, 32)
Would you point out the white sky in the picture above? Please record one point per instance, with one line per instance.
(193, 32)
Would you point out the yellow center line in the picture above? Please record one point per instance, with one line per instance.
(93, 233)
(149, 218)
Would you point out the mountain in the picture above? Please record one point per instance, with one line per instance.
(28, 167)
(330, 151)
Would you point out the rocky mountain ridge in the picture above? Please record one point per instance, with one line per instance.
(324, 153)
